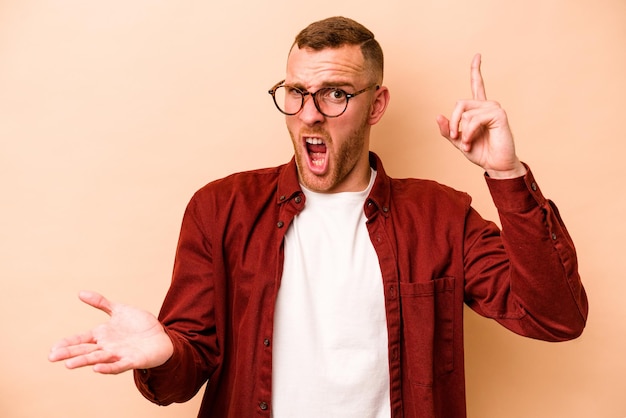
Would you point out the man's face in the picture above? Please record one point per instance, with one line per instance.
(331, 153)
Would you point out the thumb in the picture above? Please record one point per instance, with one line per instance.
(96, 300)
(444, 126)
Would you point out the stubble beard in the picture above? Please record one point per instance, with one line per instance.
(344, 160)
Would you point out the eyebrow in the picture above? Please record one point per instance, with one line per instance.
(333, 84)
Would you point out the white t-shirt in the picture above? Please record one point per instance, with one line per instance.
(330, 354)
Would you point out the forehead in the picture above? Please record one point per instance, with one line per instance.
(311, 68)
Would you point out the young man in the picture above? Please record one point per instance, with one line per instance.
(323, 287)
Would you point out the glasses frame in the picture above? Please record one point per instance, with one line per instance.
(305, 93)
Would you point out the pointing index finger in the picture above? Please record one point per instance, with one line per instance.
(476, 78)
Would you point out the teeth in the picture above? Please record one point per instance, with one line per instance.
(314, 141)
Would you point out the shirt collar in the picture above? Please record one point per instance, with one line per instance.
(378, 200)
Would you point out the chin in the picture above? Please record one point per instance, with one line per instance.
(316, 183)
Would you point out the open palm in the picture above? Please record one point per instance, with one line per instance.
(131, 339)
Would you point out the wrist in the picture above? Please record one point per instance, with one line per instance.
(518, 170)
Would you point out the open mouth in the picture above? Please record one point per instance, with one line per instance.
(316, 150)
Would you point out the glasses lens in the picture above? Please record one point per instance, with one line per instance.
(288, 99)
(331, 101)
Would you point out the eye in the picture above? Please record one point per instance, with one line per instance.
(293, 91)
(334, 95)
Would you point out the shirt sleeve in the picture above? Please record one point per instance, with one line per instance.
(526, 276)
(188, 316)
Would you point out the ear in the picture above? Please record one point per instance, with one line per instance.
(381, 100)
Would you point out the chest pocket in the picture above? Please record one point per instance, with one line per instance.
(428, 329)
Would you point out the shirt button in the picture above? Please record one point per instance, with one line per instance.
(263, 406)
(282, 198)
(266, 342)
(280, 224)
(533, 186)
(553, 236)
(298, 199)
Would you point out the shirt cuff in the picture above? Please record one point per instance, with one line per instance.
(516, 195)
(167, 368)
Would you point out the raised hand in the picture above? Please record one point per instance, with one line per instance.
(131, 339)
(479, 128)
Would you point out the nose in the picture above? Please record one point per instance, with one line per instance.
(309, 113)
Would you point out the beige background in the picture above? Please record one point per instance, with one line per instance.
(113, 113)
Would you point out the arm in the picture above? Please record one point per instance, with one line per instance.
(527, 277)
(188, 315)
(171, 356)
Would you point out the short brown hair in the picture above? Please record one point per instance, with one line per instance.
(335, 32)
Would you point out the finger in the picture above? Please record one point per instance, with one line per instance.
(455, 119)
(113, 368)
(66, 348)
(476, 121)
(444, 126)
(84, 338)
(92, 358)
(102, 361)
(66, 353)
(97, 301)
(471, 131)
(476, 79)
(444, 129)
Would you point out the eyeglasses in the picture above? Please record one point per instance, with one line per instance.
(329, 101)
